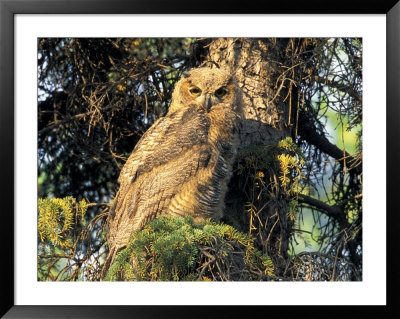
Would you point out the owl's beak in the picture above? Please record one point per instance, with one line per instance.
(207, 102)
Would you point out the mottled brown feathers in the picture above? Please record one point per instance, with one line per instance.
(182, 164)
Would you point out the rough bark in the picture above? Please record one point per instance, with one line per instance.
(254, 62)
(265, 120)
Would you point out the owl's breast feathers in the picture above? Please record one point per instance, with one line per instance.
(179, 167)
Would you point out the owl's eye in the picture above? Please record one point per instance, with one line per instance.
(194, 90)
(220, 92)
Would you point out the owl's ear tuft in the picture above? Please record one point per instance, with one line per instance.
(186, 75)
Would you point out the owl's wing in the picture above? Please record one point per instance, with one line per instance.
(165, 158)
(145, 146)
(165, 140)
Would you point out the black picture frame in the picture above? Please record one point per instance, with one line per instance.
(8, 10)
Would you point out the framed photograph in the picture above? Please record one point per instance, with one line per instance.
(165, 160)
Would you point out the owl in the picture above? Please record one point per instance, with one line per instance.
(182, 164)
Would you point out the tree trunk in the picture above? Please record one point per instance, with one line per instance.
(257, 64)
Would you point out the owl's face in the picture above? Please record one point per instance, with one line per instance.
(206, 88)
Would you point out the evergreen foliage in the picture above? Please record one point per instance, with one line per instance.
(66, 242)
(58, 218)
(175, 248)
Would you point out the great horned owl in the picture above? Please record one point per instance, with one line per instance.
(182, 164)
